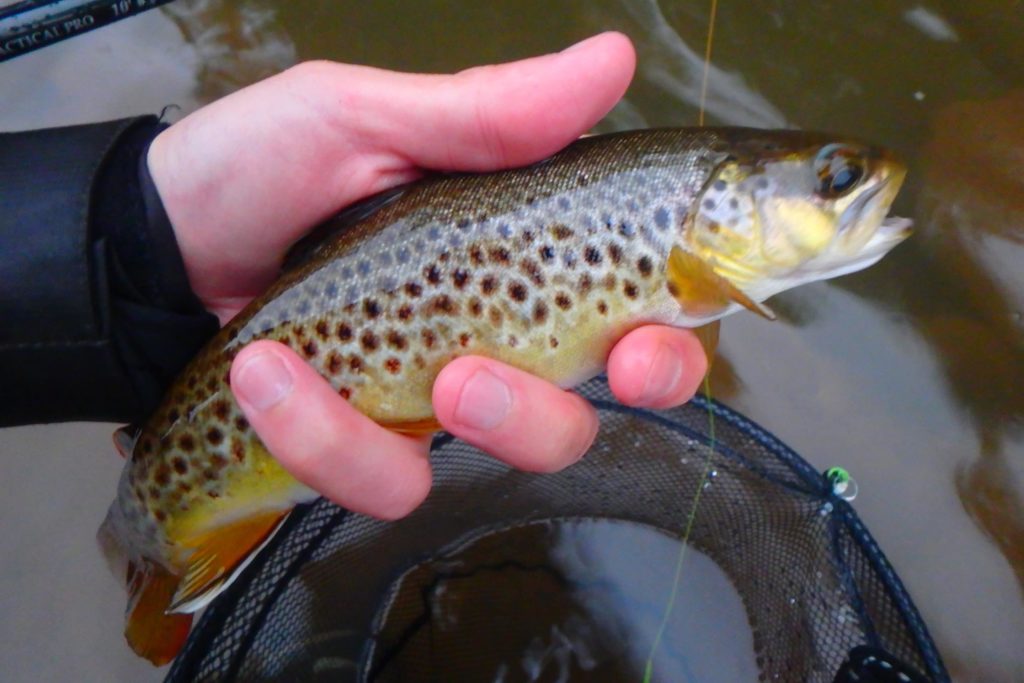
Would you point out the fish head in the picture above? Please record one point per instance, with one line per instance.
(794, 209)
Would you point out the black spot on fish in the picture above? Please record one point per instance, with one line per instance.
(615, 253)
(444, 304)
(214, 436)
(532, 269)
(476, 255)
(459, 278)
(561, 232)
(488, 284)
(397, 340)
(371, 308)
(334, 362)
(369, 341)
(546, 253)
(563, 301)
(413, 289)
(499, 255)
(585, 283)
(344, 332)
(517, 290)
(540, 312)
(645, 266)
(221, 410)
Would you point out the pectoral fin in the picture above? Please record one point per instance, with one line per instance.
(219, 555)
(703, 292)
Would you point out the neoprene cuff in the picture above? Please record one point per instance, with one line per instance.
(96, 315)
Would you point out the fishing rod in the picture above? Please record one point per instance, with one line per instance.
(29, 25)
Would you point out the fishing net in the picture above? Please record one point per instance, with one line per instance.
(341, 597)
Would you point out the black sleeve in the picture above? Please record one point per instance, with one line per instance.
(96, 313)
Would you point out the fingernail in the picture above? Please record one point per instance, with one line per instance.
(263, 381)
(662, 377)
(582, 43)
(484, 403)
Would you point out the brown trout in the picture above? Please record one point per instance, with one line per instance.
(543, 267)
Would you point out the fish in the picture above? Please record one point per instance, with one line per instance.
(543, 267)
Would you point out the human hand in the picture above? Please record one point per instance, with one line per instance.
(243, 178)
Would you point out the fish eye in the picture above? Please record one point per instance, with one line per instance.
(839, 169)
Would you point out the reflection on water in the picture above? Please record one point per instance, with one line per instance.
(972, 215)
(561, 601)
(910, 374)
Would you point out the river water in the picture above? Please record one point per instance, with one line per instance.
(910, 375)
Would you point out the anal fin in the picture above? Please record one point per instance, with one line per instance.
(219, 555)
(149, 630)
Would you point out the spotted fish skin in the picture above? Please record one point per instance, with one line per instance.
(543, 267)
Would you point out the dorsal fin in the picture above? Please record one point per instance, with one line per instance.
(309, 246)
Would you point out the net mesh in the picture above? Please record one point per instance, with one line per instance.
(323, 603)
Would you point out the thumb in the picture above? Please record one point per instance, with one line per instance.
(497, 116)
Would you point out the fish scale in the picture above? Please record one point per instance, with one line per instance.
(543, 267)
